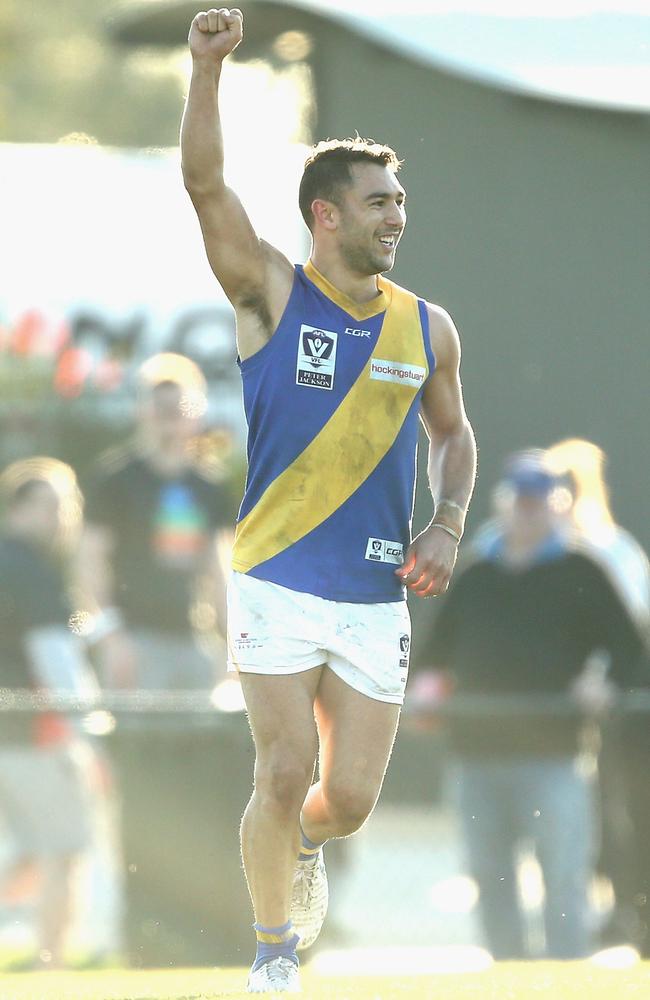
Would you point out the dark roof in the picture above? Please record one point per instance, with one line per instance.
(598, 59)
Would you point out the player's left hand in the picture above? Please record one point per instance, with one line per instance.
(429, 562)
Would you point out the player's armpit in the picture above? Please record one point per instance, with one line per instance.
(256, 277)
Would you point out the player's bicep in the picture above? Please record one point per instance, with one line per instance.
(234, 250)
(442, 409)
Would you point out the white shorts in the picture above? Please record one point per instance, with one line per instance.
(274, 630)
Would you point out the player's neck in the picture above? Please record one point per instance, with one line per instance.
(360, 288)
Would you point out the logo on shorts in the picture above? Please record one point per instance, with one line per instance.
(404, 646)
(316, 357)
(382, 550)
(397, 371)
(244, 641)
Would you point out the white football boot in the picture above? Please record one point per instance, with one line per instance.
(278, 975)
(309, 900)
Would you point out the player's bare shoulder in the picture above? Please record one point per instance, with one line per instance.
(444, 338)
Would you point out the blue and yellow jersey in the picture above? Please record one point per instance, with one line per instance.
(332, 403)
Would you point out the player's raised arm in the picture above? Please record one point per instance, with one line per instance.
(255, 277)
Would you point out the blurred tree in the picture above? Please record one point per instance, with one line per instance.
(59, 75)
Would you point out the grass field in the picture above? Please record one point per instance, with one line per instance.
(533, 981)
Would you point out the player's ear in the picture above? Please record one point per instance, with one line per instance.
(325, 213)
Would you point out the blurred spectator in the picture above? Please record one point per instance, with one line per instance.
(517, 631)
(44, 801)
(590, 517)
(149, 566)
(625, 751)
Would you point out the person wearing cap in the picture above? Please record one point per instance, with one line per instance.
(521, 624)
(154, 512)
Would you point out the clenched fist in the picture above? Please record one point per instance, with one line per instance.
(215, 33)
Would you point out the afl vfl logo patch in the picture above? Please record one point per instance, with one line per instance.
(316, 357)
(382, 550)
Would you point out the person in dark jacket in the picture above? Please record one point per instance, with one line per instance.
(525, 631)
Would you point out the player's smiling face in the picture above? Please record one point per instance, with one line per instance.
(372, 217)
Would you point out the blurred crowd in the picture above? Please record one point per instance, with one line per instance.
(535, 663)
(119, 590)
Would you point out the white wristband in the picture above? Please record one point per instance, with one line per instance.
(445, 527)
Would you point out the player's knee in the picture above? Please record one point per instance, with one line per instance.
(349, 806)
(283, 784)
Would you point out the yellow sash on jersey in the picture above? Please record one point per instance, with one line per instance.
(345, 451)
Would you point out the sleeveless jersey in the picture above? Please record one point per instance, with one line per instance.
(332, 404)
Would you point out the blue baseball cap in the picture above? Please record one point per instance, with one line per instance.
(527, 473)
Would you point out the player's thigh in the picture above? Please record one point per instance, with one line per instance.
(357, 734)
(280, 711)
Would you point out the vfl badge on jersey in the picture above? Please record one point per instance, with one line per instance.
(397, 371)
(381, 550)
(316, 357)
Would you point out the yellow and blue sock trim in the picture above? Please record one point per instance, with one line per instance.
(275, 942)
(308, 848)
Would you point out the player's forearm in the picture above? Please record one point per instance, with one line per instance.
(201, 134)
(452, 471)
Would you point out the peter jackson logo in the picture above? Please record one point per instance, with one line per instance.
(316, 362)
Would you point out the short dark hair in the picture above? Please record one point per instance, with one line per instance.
(327, 169)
